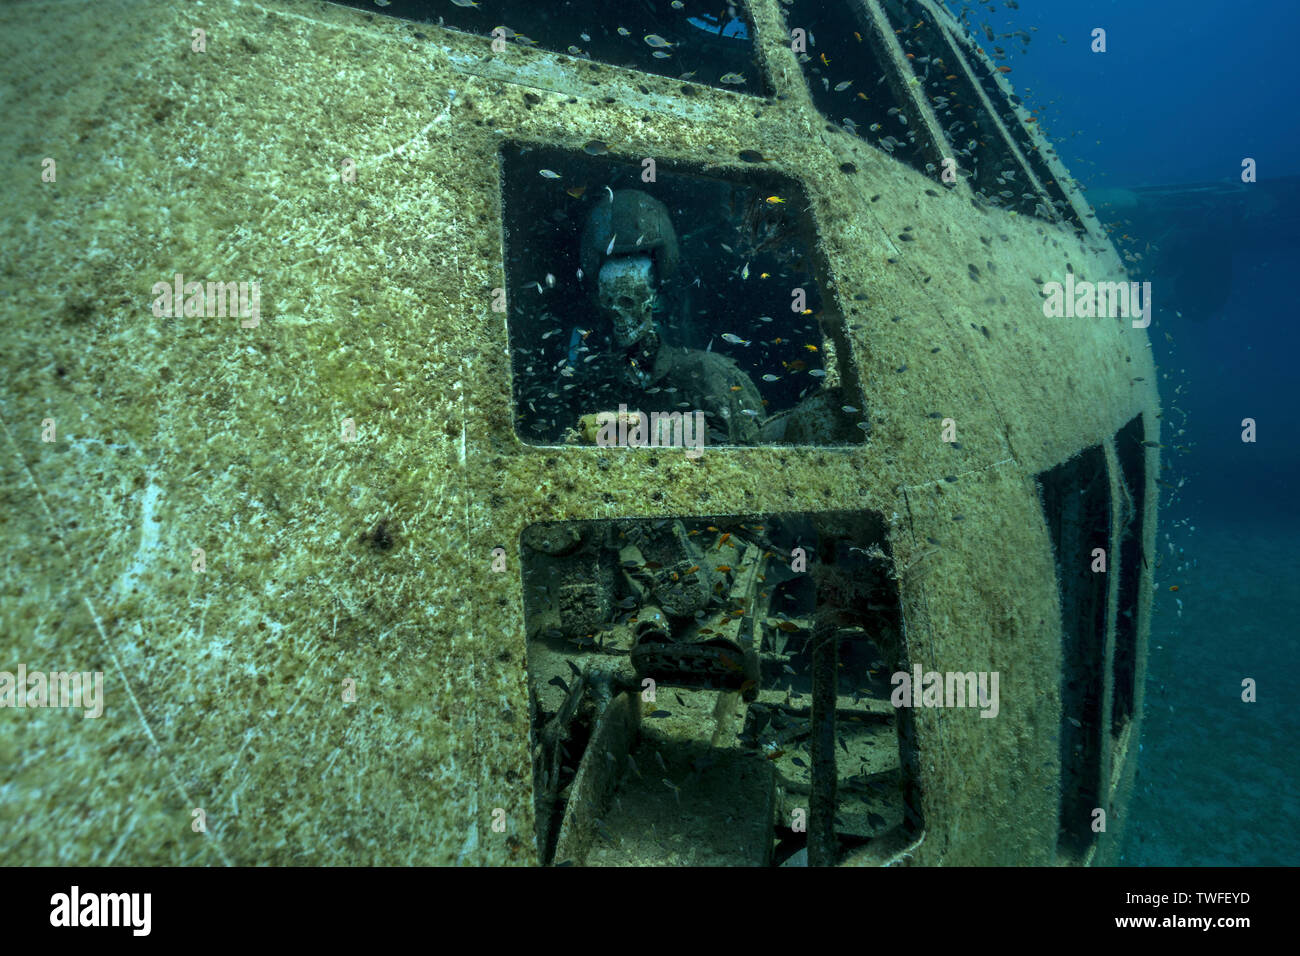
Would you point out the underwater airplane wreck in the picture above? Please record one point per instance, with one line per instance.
(652, 448)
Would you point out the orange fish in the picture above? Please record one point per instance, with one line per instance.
(811, 348)
(1004, 69)
(723, 540)
(1173, 587)
(576, 191)
(724, 568)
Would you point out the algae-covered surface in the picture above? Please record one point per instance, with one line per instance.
(276, 539)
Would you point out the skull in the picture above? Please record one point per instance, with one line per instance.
(626, 291)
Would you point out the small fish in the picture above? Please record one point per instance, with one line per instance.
(730, 664)
(848, 408)
(774, 200)
(769, 377)
(1004, 69)
(765, 275)
(732, 78)
(576, 191)
(734, 339)
(817, 372)
(660, 55)
(811, 348)
(677, 5)
(744, 273)
(660, 758)
(659, 713)
(655, 40)
(465, 3)
(841, 87)
(624, 32)
(549, 173)
(798, 763)
(609, 250)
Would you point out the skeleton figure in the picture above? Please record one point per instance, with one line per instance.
(630, 246)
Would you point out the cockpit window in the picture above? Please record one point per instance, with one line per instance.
(703, 41)
(853, 83)
(1053, 202)
(717, 690)
(673, 292)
